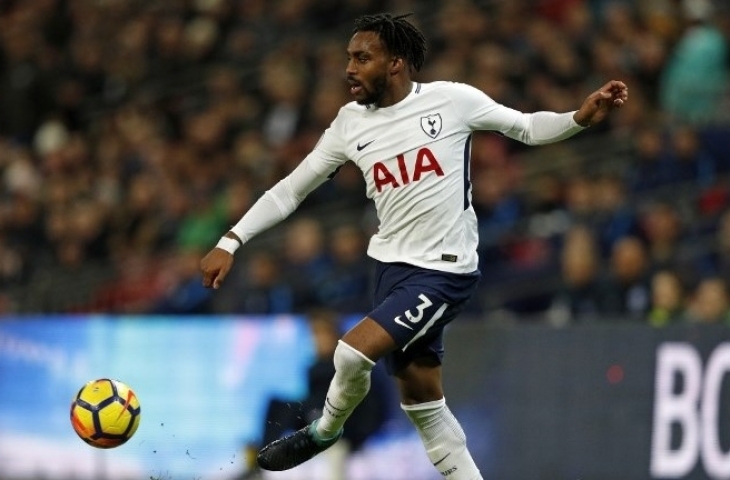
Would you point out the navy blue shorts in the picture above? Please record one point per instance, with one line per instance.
(414, 305)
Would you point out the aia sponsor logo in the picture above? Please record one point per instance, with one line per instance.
(408, 169)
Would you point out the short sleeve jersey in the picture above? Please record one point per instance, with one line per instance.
(415, 158)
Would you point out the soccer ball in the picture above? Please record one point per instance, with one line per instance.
(105, 413)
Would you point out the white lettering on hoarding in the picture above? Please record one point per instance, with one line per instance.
(716, 462)
(687, 401)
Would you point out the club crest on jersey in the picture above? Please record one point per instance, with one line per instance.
(431, 124)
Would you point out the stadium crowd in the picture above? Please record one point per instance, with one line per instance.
(132, 133)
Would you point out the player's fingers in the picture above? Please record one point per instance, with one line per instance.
(622, 93)
(615, 85)
(607, 88)
(620, 96)
(615, 89)
(220, 277)
(207, 279)
(599, 97)
(209, 272)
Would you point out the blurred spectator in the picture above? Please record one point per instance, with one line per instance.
(580, 199)
(667, 299)
(184, 292)
(197, 227)
(139, 224)
(651, 169)
(137, 282)
(236, 199)
(346, 285)
(662, 230)
(711, 202)
(715, 258)
(579, 298)
(498, 210)
(22, 236)
(626, 292)
(305, 263)
(614, 217)
(283, 78)
(546, 195)
(259, 289)
(694, 164)
(695, 78)
(12, 267)
(710, 303)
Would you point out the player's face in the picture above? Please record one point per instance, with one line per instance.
(368, 68)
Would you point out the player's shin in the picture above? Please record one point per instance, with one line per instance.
(348, 387)
(444, 440)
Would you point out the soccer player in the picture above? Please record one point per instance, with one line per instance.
(412, 142)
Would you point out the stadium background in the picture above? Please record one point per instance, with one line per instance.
(133, 133)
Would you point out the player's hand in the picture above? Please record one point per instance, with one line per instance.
(600, 103)
(215, 266)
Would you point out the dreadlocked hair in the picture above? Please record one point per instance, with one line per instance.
(400, 37)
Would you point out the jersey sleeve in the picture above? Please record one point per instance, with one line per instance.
(329, 153)
(480, 112)
(283, 198)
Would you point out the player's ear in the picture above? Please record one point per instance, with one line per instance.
(396, 65)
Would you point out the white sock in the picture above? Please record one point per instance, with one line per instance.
(444, 440)
(347, 389)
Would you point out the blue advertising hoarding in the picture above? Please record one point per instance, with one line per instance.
(200, 382)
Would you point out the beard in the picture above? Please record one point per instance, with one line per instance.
(374, 94)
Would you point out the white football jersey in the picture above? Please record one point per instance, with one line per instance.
(414, 156)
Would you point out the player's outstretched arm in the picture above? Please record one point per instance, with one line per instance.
(601, 102)
(272, 207)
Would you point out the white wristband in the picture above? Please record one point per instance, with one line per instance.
(230, 245)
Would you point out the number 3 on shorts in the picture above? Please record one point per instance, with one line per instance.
(414, 319)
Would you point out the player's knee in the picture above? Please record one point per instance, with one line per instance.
(352, 367)
(347, 358)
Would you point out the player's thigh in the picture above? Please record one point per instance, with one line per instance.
(370, 338)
